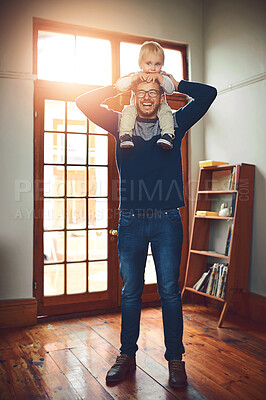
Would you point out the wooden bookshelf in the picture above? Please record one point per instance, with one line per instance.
(209, 232)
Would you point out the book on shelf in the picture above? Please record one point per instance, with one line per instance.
(213, 281)
(221, 287)
(233, 204)
(210, 285)
(201, 281)
(207, 213)
(237, 176)
(211, 163)
(228, 241)
(234, 178)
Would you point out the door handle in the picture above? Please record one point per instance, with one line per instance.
(113, 232)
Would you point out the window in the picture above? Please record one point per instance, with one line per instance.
(72, 58)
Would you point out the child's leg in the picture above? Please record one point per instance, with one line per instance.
(128, 120)
(166, 120)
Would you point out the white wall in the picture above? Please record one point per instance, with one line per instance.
(234, 54)
(174, 20)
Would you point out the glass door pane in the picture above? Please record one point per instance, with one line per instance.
(75, 207)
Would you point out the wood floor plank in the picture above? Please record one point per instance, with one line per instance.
(51, 340)
(42, 368)
(7, 391)
(209, 388)
(84, 333)
(25, 384)
(81, 379)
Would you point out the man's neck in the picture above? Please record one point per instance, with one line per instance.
(147, 119)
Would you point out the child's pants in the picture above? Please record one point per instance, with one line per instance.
(129, 115)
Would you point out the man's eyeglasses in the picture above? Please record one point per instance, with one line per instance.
(151, 93)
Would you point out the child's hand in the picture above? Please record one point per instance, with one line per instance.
(154, 76)
(176, 83)
(139, 76)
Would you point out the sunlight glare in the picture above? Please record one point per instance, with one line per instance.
(56, 56)
(66, 58)
(94, 65)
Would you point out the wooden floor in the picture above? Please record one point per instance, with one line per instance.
(68, 359)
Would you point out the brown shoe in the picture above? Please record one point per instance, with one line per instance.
(177, 374)
(121, 367)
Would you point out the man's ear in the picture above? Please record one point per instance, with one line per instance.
(161, 98)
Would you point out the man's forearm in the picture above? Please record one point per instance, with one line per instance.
(203, 96)
(90, 104)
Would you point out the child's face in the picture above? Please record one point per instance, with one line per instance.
(151, 63)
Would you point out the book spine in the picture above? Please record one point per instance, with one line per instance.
(211, 280)
(228, 240)
(237, 177)
(224, 282)
(232, 179)
(219, 279)
(199, 282)
(233, 203)
(216, 277)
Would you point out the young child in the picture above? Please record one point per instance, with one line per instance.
(151, 60)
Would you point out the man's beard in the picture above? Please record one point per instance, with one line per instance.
(147, 108)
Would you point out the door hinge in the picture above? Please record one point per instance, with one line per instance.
(34, 285)
(35, 114)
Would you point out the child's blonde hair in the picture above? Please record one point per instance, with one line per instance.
(150, 47)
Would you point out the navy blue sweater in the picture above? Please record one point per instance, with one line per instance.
(150, 177)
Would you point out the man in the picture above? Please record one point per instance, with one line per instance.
(151, 192)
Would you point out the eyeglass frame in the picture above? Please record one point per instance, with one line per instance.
(147, 91)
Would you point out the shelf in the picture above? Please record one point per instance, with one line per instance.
(209, 253)
(204, 294)
(212, 191)
(212, 217)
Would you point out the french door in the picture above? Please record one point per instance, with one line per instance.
(76, 265)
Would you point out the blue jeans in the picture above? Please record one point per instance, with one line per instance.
(163, 229)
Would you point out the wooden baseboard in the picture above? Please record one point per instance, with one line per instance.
(19, 312)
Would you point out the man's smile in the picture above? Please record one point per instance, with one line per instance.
(147, 104)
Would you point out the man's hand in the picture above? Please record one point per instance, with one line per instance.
(176, 83)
